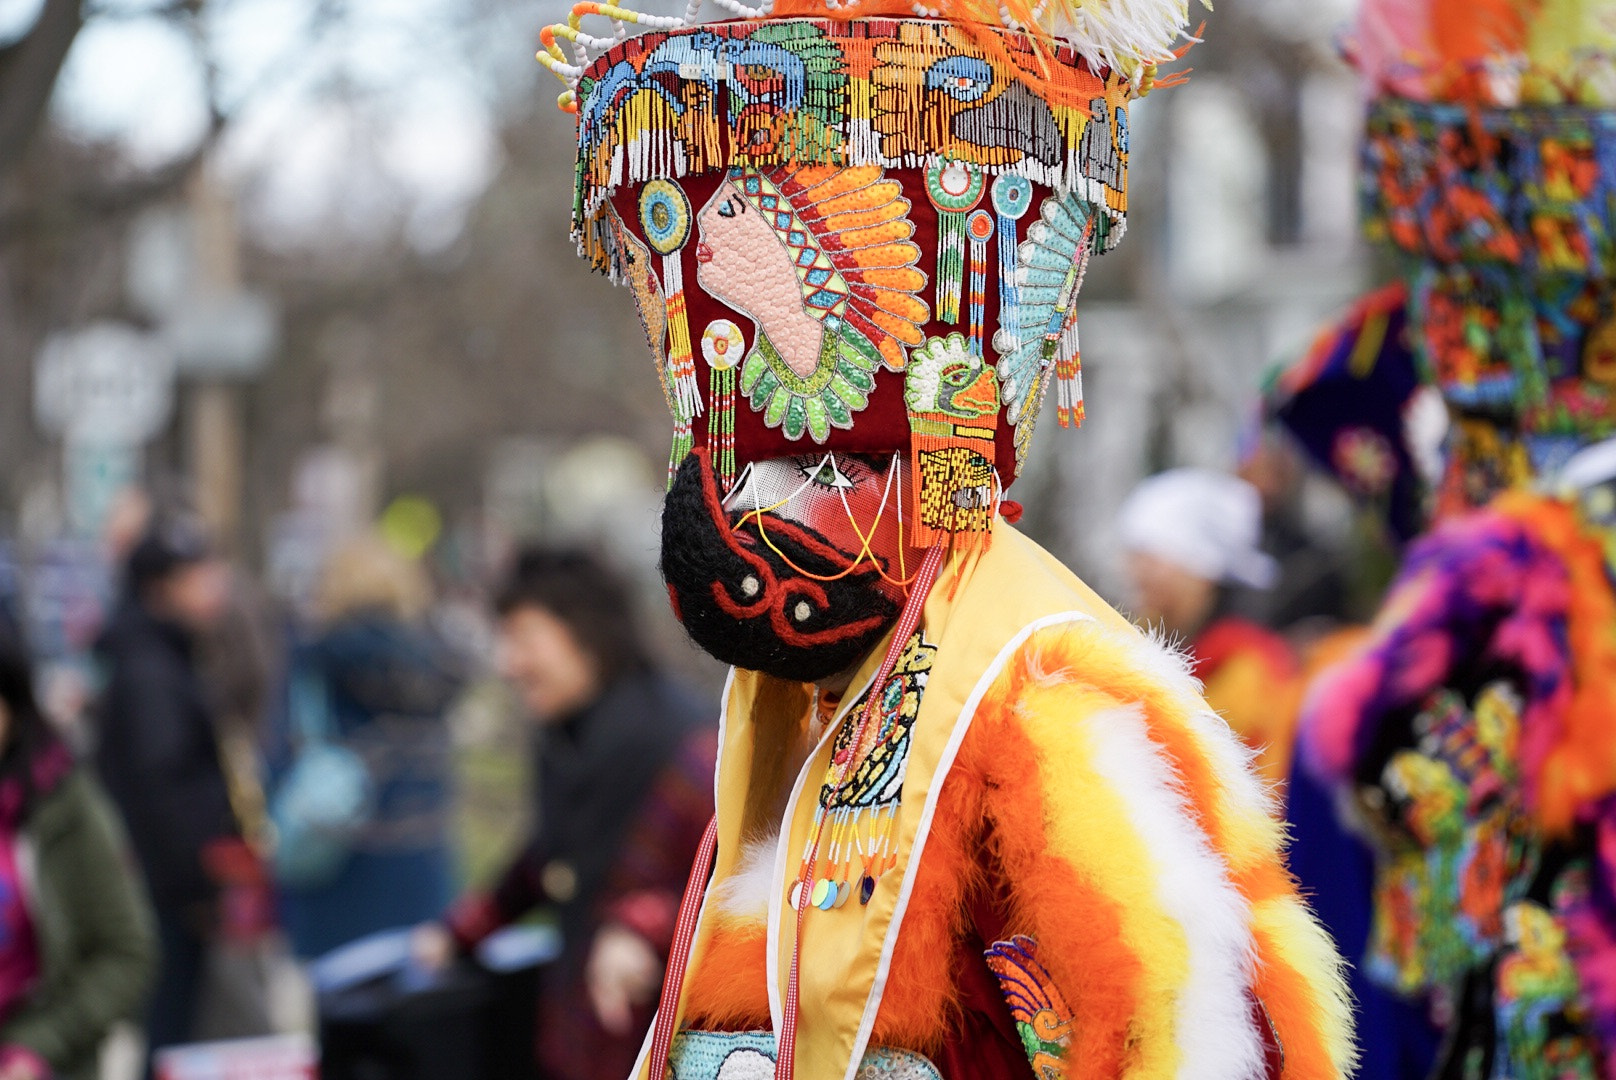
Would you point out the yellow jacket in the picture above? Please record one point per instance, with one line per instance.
(1076, 831)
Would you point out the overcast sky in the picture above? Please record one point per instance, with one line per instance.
(375, 114)
(379, 111)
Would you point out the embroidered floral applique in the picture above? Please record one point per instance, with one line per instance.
(1459, 841)
(1042, 1017)
(1537, 992)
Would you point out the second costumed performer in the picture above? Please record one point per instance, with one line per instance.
(969, 819)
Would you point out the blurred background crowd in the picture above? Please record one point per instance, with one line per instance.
(307, 412)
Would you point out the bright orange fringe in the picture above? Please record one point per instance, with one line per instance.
(1581, 768)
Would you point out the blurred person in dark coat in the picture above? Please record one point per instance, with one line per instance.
(384, 683)
(78, 949)
(625, 787)
(159, 758)
(1311, 584)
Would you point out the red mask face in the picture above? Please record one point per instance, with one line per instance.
(855, 501)
(800, 570)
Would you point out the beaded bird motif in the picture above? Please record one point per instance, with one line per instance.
(1041, 1015)
(953, 402)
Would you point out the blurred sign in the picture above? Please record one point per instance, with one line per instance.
(282, 1057)
(180, 272)
(160, 270)
(106, 383)
(228, 336)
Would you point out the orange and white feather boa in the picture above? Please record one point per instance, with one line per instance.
(1138, 847)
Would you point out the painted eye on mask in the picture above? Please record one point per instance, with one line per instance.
(726, 209)
(822, 472)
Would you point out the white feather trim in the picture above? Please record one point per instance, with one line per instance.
(744, 895)
(1120, 34)
(1169, 664)
(1236, 762)
(1215, 1030)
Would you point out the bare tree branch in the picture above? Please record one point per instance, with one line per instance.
(28, 70)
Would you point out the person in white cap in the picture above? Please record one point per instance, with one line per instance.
(1191, 539)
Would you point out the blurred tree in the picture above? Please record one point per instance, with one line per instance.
(28, 70)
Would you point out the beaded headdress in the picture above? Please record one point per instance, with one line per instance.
(860, 227)
(1489, 164)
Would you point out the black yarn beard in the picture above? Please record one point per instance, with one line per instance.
(741, 602)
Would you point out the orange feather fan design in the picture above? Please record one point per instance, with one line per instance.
(860, 222)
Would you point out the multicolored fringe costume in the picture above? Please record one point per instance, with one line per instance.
(869, 145)
(1022, 840)
(1476, 730)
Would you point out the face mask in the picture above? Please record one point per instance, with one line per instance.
(799, 573)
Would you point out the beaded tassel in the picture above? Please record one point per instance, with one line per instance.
(854, 837)
(721, 424)
(954, 188)
(1060, 338)
(666, 218)
(950, 265)
(722, 346)
(860, 845)
(1012, 197)
(681, 360)
(980, 228)
(1069, 382)
(683, 442)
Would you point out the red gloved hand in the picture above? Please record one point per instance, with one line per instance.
(246, 902)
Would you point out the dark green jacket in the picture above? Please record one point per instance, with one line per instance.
(97, 945)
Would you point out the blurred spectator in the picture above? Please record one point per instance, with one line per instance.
(382, 684)
(625, 782)
(1191, 540)
(236, 663)
(1310, 582)
(128, 519)
(77, 947)
(159, 757)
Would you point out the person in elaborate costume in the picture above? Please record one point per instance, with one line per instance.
(969, 820)
(1476, 728)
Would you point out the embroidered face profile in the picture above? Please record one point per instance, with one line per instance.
(820, 258)
(741, 261)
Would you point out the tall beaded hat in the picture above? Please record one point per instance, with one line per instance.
(861, 226)
(1490, 167)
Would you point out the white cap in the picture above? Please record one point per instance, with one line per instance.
(1589, 466)
(1204, 521)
